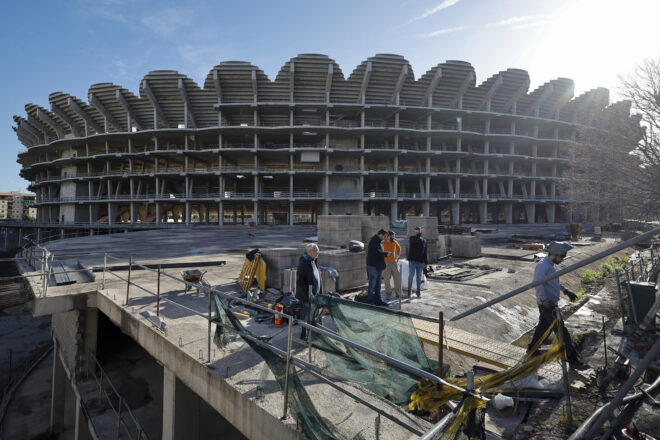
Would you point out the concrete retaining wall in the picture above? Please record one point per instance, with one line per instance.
(430, 225)
(467, 246)
(338, 230)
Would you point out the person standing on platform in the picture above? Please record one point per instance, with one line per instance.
(375, 266)
(391, 265)
(417, 260)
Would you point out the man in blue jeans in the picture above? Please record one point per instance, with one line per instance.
(375, 266)
(416, 260)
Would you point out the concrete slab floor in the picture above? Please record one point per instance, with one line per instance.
(243, 368)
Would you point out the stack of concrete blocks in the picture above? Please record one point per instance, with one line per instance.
(434, 248)
(372, 224)
(277, 260)
(351, 267)
(338, 230)
(466, 246)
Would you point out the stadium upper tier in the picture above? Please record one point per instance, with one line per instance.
(379, 131)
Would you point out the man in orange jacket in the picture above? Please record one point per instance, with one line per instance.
(391, 265)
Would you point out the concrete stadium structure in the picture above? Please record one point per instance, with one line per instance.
(246, 148)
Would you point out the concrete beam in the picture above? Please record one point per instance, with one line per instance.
(365, 83)
(96, 103)
(485, 101)
(457, 100)
(50, 305)
(129, 110)
(399, 84)
(428, 96)
(536, 105)
(512, 102)
(187, 105)
(328, 82)
(253, 79)
(38, 126)
(292, 73)
(562, 101)
(75, 128)
(83, 114)
(25, 125)
(154, 103)
(218, 88)
(49, 121)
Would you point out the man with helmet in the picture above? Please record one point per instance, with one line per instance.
(547, 298)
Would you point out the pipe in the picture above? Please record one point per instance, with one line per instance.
(565, 270)
(442, 424)
(605, 412)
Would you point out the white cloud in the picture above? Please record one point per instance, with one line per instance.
(444, 5)
(529, 25)
(444, 31)
(513, 20)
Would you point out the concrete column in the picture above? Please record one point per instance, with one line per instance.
(550, 212)
(530, 210)
(91, 335)
(291, 213)
(426, 208)
(326, 207)
(455, 213)
(508, 213)
(256, 212)
(394, 210)
(221, 214)
(157, 213)
(187, 220)
(169, 403)
(58, 390)
(483, 212)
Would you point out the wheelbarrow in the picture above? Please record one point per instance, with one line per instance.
(194, 276)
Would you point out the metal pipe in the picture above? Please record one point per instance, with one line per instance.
(441, 425)
(630, 297)
(441, 331)
(567, 394)
(605, 412)
(286, 374)
(604, 341)
(208, 336)
(563, 271)
(618, 289)
(105, 264)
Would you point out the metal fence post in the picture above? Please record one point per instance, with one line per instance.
(209, 293)
(286, 374)
(441, 331)
(158, 294)
(309, 320)
(105, 265)
(618, 288)
(118, 419)
(128, 280)
(567, 395)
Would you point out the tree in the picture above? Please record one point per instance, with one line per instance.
(615, 166)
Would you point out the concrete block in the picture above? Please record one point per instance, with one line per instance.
(467, 246)
(372, 224)
(430, 225)
(338, 230)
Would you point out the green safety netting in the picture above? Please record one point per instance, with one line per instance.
(386, 331)
(302, 406)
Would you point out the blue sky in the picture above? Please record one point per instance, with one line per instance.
(48, 46)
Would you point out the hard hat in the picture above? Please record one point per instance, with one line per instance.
(555, 248)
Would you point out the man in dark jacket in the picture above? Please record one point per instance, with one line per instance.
(416, 260)
(375, 266)
(307, 275)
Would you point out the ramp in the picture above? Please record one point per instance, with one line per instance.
(479, 347)
(60, 272)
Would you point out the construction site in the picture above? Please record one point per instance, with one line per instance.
(192, 332)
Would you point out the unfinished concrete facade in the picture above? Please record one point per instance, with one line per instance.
(247, 148)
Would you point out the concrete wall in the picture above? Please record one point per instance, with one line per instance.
(430, 225)
(372, 224)
(338, 230)
(69, 329)
(468, 246)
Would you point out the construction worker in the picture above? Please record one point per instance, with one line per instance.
(391, 267)
(375, 266)
(307, 275)
(417, 260)
(547, 297)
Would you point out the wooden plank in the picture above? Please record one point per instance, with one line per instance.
(481, 348)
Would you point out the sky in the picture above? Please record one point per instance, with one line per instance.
(54, 45)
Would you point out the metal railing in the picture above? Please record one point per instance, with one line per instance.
(125, 422)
